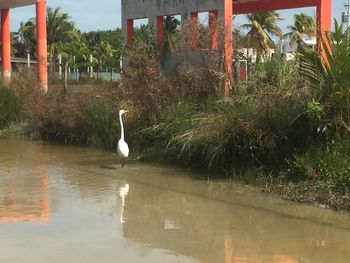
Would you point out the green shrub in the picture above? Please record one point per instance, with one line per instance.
(102, 123)
(257, 129)
(144, 87)
(59, 119)
(277, 73)
(10, 107)
(329, 163)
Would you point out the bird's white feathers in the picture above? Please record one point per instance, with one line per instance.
(123, 148)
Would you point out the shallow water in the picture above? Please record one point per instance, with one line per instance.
(68, 204)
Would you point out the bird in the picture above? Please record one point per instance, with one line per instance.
(123, 148)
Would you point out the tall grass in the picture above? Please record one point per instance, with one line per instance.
(278, 73)
(258, 129)
(11, 108)
(102, 124)
(328, 163)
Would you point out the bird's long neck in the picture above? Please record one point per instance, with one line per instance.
(121, 126)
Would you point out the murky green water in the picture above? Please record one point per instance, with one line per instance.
(71, 205)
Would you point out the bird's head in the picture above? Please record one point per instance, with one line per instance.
(121, 112)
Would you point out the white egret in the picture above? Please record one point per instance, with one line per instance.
(123, 148)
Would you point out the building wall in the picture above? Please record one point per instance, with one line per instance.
(137, 9)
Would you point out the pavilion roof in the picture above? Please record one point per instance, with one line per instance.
(15, 3)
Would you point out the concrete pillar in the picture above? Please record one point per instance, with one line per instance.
(74, 67)
(184, 17)
(6, 45)
(157, 23)
(226, 12)
(28, 60)
(91, 68)
(214, 29)
(324, 21)
(130, 31)
(194, 29)
(60, 66)
(160, 33)
(41, 38)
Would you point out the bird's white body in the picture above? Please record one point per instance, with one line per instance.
(123, 148)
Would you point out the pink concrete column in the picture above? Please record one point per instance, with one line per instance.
(130, 31)
(214, 28)
(227, 14)
(194, 29)
(324, 21)
(6, 45)
(41, 38)
(160, 33)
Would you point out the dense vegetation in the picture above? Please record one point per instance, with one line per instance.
(289, 125)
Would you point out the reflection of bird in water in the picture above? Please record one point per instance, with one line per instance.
(123, 148)
(123, 193)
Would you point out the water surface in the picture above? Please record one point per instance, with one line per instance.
(70, 205)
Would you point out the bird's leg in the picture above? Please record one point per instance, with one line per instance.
(123, 162)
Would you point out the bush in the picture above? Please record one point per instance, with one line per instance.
(329, 163)
(59, 119)
(278, 73)
(11, 107)
(143, 85)
(102, 123)
(260, 128)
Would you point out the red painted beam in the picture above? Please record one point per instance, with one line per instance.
(228, 38)
(270, 5)
(41, 38)
(6, 45)
(130, 31)
(160, 33)
(324, 23)
(214, 28)
(194, 29)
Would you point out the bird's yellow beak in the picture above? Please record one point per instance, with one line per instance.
(126, 111)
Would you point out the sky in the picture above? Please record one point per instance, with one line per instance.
(91, 15)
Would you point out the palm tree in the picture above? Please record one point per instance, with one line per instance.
(76, 53)
(339, 33)
(260, 28)
(103, 54)
(16, 45)
(59, 30)
(329, 74)
(303, 25)
(144, 34)
(27, 37)
(171, 25)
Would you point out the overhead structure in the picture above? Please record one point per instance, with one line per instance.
(219, 10)
(41, 38)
